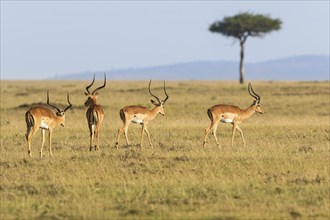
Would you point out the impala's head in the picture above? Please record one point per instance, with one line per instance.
(159, 106)
(92, 97)
(61, 118)
(90, 100)
(256, 103)
(60, 114)
(159, 103)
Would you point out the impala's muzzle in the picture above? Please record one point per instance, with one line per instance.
(259, 110)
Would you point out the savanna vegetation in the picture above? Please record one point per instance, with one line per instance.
(282, 173)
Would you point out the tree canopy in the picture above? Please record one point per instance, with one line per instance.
(243, 25)
(246, 24)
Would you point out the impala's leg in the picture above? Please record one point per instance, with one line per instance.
(28, 130)
(207, 131)
(125, 133)
(214, 132)
(91, 121)
(143, 126)
(124, 129)
(50, 143)
(146, 130)
(91, 136)
(98, 133)
(98, 121)
(97, 145)
(43, 141)
(97, 136)
(240, 131)
(29, 134)
(206, 138)
(213, 127)
(233, 135)
(96, 139)
(120, 130)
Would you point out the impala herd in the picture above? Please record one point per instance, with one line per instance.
(43, 118)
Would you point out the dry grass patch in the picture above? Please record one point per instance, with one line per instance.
(282, 173)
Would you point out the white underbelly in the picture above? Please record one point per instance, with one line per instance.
(137, 120)
(227, 120)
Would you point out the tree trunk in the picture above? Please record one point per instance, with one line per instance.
(241, 65)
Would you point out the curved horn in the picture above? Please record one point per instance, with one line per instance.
(90, 84)
(153, 94)
(105, 80)
(165, 94)
(252, 92)
(51, 104)
(70, 105)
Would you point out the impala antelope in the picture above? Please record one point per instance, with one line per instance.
(231, 114)
(44, 118)
(141, 115)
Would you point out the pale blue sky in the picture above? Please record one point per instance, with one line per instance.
(40, 39)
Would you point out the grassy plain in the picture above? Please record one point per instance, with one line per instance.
(282, 173)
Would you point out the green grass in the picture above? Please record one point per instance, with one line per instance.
(282, 173)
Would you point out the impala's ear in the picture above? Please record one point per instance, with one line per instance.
(153, 102)
(86, 93)
(96, 93)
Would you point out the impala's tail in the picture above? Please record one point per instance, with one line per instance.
(209, 113)
(29, 123)
(122, 116)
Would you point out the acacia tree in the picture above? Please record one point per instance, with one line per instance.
(243, 25)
